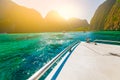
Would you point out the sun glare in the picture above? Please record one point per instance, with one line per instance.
(66, 12)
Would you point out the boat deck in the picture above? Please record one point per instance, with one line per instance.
(90, 62)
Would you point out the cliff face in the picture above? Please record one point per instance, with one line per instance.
(54, 22)
(101, 15)
(16, 19)
(78, 24)
(75, 22)
(113, 19)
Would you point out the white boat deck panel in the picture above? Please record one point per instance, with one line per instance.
(91, 62)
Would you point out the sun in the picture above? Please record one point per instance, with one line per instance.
(66, 12)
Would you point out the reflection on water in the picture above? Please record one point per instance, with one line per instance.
(23, 54)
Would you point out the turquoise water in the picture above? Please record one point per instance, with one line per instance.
(21, 55)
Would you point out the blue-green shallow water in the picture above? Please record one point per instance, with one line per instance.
(23, 54)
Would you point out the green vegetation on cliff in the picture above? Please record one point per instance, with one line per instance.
(113, 19)
(101, 15)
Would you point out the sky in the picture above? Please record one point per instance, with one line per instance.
(83, 9)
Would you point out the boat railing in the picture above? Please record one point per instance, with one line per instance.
(37, 75)
(106, 41)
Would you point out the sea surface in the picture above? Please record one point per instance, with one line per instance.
(21, 55)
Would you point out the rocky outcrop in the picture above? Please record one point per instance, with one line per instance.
(101, 15)
(113, 19)
(15, 18)
(18, 19)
